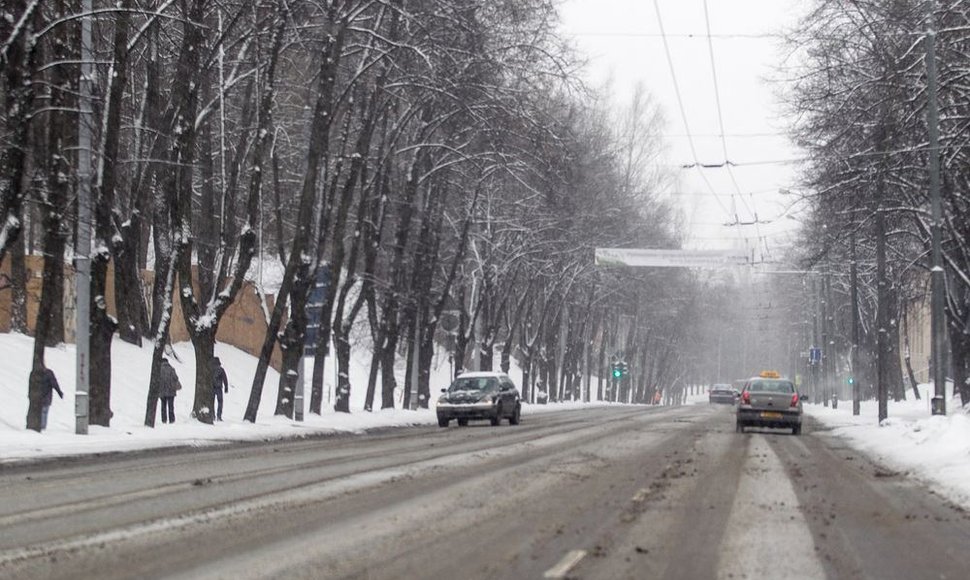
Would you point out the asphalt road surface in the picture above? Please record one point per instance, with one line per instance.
(602, 493)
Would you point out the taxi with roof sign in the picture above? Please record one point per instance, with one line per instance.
(769, 401)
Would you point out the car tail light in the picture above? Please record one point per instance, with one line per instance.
(794, 400)
(746, 398)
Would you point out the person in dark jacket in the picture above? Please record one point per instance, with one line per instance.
(220, 384)
(168, 387)
(49, 386)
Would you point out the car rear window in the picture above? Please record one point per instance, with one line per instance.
(771, 387)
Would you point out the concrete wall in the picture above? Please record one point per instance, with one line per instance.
(243, 326)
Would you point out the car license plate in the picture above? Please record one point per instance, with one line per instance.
(767, 415)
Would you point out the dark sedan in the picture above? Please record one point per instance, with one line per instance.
(724, 394)
(481, 395)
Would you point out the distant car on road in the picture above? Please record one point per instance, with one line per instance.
(723, 394)
(480, 395)
(769, 400)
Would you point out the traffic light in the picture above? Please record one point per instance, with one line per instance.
(850, 381)
(619, 369)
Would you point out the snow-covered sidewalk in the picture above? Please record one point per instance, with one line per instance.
(934, 450)
(129, 390)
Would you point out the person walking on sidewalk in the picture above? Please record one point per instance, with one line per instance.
(50, 385)
(220, 384)
(168, 387)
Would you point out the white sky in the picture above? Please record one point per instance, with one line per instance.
(622, 40)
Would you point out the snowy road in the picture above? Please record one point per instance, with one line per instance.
(596, 493)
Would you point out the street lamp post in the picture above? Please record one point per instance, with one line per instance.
(936, 272)
(854, 291)
(82, 260)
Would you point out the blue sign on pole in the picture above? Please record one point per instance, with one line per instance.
(814, 355)
(314, 309)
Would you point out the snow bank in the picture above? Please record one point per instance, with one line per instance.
(933, 450)
(130, 373)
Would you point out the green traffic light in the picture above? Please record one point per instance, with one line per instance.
(850, 380)
(617, 373)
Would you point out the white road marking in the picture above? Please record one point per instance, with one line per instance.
(567, 563)
(767, 535)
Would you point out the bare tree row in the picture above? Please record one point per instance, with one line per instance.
(432, 160)
(859, 91)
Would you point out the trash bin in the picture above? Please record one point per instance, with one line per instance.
(835, 401)
(937, 406)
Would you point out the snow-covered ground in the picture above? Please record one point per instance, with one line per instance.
(129, 377)
(934, 450)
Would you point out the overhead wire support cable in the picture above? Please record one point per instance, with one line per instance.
(720, 123)
(690, 35)
(683, 112)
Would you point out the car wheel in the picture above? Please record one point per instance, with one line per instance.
(796, 430)
(514, 419)
(462, 422)
(443, 422)
(498, 416)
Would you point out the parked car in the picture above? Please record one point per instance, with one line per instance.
(480, 395)
(769, 400)
(723, 394)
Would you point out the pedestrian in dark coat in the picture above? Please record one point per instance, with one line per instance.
(220, 384)
(168, 387)
(49, 386)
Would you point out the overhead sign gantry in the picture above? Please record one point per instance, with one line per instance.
(653, 258)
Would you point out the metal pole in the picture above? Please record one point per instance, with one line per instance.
(823, 359)
(718, 377)
(853, 272)
(938, 354)
(298, 396)
(82, 252)
(882, 312)
(814, 363)
(415, 361)
(832, 360)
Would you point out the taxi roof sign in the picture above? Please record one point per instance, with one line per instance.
(769, 375)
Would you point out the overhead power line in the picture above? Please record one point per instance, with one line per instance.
(742, 163)
(680, 106)
(720, 123)
(766, 135)
(691, 35)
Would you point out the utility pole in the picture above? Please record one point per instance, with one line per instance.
(882, 310)
(298, 396)
(82, 260)
(824, 358)
(718, 376)
(854, 291)
(831, 359)
(936, 271)
(416, 361)
(814, 364)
